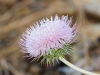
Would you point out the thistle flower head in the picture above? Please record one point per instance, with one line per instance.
(49, 38)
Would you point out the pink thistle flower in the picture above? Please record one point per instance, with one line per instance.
(47, 35)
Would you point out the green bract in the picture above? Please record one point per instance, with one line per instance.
(55, 54)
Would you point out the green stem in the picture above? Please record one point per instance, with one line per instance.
(76, 68)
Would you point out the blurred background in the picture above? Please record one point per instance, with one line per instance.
(17, 15)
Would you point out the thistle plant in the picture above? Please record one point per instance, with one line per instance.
(50, 39)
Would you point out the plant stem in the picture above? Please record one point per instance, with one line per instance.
(76, 68)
